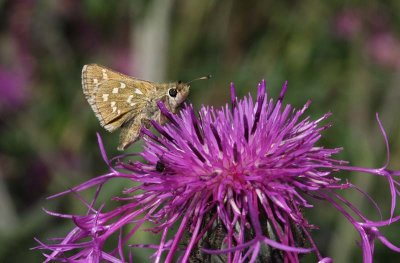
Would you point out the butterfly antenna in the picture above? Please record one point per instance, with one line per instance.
(201, 78)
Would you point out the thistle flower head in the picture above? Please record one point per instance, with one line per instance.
(230, 183)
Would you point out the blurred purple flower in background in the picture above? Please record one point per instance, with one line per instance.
(373, 31)
(13, 92)
(234, 182)
(18, 63)
(347, 24)
(384, 48)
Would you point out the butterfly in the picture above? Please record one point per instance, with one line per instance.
(123, 102)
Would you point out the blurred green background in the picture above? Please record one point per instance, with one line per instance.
(344, 55)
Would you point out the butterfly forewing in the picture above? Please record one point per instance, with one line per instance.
(120, 101)
(114, 97)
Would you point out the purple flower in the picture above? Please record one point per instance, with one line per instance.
(230, 183)
(13, 92)
(348, 24)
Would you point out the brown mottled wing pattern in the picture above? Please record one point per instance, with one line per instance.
(114, 97)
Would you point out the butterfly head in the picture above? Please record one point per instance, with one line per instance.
(177, 92)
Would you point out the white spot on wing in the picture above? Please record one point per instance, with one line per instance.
(112, 104)
(95, 81)
(115, 90)
(138, 91)
(122, 85)
(114, 109)
(105, 97)
(129, 100)
(105, 76)
(119, 112)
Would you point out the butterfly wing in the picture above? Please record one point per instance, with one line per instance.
(114, 97)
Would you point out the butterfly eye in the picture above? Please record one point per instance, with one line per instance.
(179, 81)
(173, 92)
